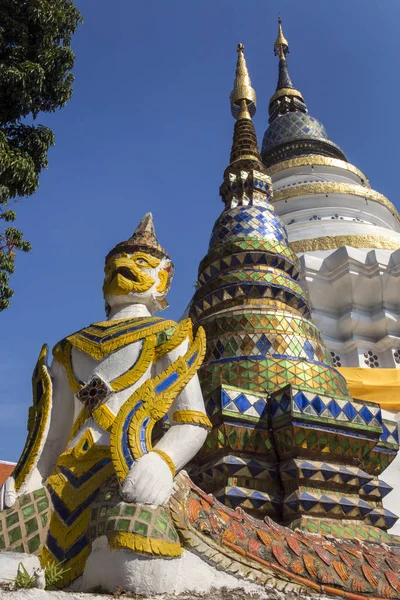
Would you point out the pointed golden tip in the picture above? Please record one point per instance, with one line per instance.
(242, 88)
(244, 111)
(281, 46)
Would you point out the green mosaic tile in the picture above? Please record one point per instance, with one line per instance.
(42, 504)
(2, 542)
(39, 493)
(34, 544)
(123, 524)
(15, 534)
(129, 510)
(19, 548)
(28, 511)
(173, 535)
(25, 499)
(140, 528)
(145, 515)
(12, 519)
(31, 526)
(111, 525)
(43, 518)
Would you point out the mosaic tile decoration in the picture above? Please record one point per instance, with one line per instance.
(266, 364)
(229, 468)
(246, 259)
(325, 473)
(270, 374)
(234, 247)
(249, 500)
(241, 437)
(291, 126)
(262, 344)
(328, 504)
(326, 409)
(298, 438)
(376, 488)
(248, 221)
(345, 529)
(110, 515)
(271, 323)
(381, 517)
(380, 457)
(207, 301)
(23, 528)
(235, 402)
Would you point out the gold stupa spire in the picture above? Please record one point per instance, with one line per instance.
(243, 106)
(281, 46)
(242, 92)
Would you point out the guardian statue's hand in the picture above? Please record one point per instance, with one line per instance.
(8, 495)
(149, 481)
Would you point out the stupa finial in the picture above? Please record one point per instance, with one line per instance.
(244, 152)
(281, 46)
(242, 88)
(286, 97)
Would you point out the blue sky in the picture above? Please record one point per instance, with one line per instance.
(149, 128)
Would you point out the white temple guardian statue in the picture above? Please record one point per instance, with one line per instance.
(89, 448)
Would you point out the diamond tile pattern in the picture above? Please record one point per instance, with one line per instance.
(248, 221)
(251, 406)
(328, 408)
(268, 381)
(292, 126)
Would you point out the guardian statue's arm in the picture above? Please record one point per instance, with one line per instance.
(49, 422)
(150, 479)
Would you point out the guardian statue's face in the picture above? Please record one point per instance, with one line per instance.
(138, 278)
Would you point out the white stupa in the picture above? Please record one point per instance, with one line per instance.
(347, 236)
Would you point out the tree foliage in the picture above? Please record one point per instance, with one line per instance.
(35, 76)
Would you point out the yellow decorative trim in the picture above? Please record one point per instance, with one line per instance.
(285, 92)
(92, 456)
(130, 377)
(64, 534)
(305, 161)
(100, 350)
(38, 421)
(327, 187)
(132, 541)
(75, 566)
(79, 450)
(104, 417)
(193, 417)
(336, 241)
(79, 422)
(133, 374)
(73, 497)
(66, 360)
(184, 330)
(154, 406)
(166, 459)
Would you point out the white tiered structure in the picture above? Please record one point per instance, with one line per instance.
(347, 237)
(347, 234)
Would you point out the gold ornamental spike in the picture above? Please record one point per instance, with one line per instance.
(281, 46)
(242, 88)
(143, 239)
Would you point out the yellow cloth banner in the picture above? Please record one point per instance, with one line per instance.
(374, 385)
